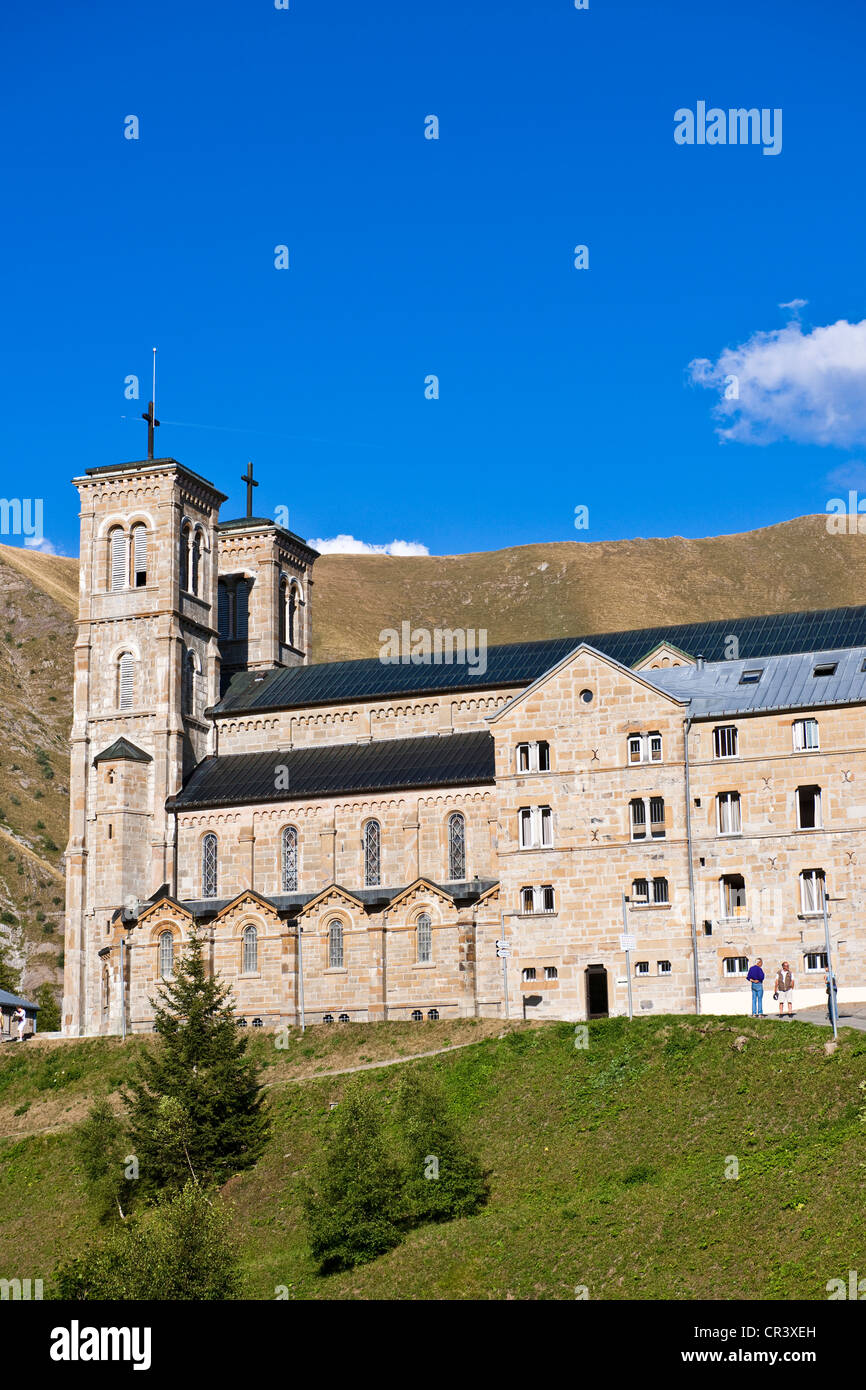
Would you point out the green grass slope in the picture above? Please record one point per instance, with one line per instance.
(607, 1164)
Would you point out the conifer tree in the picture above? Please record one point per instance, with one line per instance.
(443, 1177)
(219, 1126)
(101, 1147)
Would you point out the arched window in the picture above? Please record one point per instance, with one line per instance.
(209, 864)
(125, 680)
(290, 859)
(372, 853)
(117, 558)
(425, 938)
(138, 548)
(284, 604)
(335, 946)
(251, 950)
(195, 560)
(456, 846)
(166, 955)
(185, 546)
(190, 683)
(417, 1016)
(292, 616)
(433, 1015)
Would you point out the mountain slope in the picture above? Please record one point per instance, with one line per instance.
(546, 590)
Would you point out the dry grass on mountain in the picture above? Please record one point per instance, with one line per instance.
(552, 589)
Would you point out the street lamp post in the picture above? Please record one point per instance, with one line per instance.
(626, 942)
(831, 993)
(301, 977)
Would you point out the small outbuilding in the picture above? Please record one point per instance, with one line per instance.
(9, 1004)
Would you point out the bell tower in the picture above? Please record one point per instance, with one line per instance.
(147, 666)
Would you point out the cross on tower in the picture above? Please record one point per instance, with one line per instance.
(152, 424)
(251, 483)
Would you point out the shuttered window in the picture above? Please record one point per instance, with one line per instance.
(223, 610)
(139, 556)
(118, 559)
(242, 610)
(126, 681)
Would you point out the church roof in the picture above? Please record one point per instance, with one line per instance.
(808, 680)
(123, 751)
(371, 899)
(242, 779)
(519, 663)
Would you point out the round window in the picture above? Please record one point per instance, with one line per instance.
(586, 696)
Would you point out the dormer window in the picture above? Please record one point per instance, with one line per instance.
(752, 677)
(826, 668)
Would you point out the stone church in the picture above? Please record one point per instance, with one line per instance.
(568, 826)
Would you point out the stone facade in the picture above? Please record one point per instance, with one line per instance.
(610, 809)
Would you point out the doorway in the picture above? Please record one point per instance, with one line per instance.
(596, 992)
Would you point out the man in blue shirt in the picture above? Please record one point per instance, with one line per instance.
(756, 975)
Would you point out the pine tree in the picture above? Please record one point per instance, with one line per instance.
(443, 1177)
(49, 1009)
(354, 1203)
(219, 1126)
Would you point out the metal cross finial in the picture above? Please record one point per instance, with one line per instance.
(152, 424)
(251, 483)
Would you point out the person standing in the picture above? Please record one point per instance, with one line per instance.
(20, 1019)
(756, 976)
(785, 989)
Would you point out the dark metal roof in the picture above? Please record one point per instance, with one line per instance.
(519, 663)
(778, 683)
(123, 751)
(242, 779)
(373, 899)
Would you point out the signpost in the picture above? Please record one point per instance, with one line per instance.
(503, 952)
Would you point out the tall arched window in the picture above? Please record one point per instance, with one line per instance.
(290, 859)
(138, 547)
(292, 615)
(335, 946)
(283, 617)
(425, 938)
(209, 866)
(166, 955)
(456, 846)
(185, 545)
(125, 680)
(117, 558)
(195, 559)
(190, 683)
(251, 950)
(372, 853)
(106, 993)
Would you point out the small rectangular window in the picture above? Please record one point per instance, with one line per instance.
(550, 972)
(655, 743)
(816, 960)
(805, 732)
(527, 900)
(725, 741)
(752, 677)
(640, 890)
(736, 965)
(657, 817)
(529, 974)
(641, 967)
(826, 668)
(635, 748)
(809, 808)
(547, 898)
(660, 890)
(664, 967)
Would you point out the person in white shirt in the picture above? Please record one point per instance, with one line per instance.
(785, 989)
(21, 1019)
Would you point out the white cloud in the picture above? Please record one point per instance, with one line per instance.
(787, 384)
(43, 545)
(348, 545)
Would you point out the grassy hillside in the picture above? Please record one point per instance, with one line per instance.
(38, 596)
(532, 591)
(607, 1165)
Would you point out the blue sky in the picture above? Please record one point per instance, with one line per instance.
(410, 257)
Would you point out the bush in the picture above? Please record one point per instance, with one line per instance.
(354, 1202)
(49, 1009)
(178, 1250)
(443, 1178)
